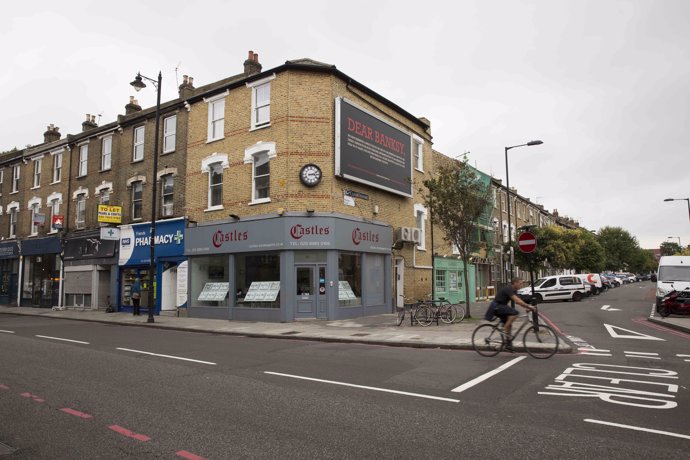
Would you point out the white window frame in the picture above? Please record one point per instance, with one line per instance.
(421, 210)
(167, 135)
(57, 167)
(418, 153)
(34, 207)
(80, 200)
(251, 154)
(53, 203)
(138, 143)
(16, 176)
(258, 105)
(140, 200)
(164, 195)
(13, 218)
(213, 102)
(83, 160)
(107, 153)
(206, 164)
(38, 166)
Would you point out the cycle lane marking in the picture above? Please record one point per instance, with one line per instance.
(481, 378)
(630, 334)
(363, 387)
(6, 332)
(638, 428)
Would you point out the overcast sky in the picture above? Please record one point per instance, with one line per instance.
(605, 84)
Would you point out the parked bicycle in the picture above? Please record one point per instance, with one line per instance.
(416, 312)
(425, 312)
(539, 340)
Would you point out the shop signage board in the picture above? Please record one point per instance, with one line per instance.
(214, 292)
(109, 214)
(262, 291)
(110, 233)
(58, 221)
(371, 151)
(134, 241)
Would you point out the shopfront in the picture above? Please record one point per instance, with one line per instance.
(40, 274)
(9, 272)
(449, 280)
(89, 277)
(169, 280)
(289, 268)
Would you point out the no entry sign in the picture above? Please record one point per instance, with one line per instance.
(527, 242)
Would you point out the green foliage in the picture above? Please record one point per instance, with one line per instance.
(620, 248)
(670, 249)
(562, 248)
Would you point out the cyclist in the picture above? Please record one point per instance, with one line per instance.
(505, 311)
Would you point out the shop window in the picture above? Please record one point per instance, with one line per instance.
(210, 279)
(349, 279)
(374, 275)
(78, 300)
(453, 280)
(106, 153)
(440, 280)
(167, 195)
(57, 167)
(138, 151)
(137, 198)
(169, 134)
(257, 268)
(83, 160)
(38, 163)
(81, 211)
(15, 178)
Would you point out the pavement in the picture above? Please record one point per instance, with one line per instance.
(679, 323)
(378, 329)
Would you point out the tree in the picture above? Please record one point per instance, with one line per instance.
(644, 262)
(456, 199)
(669, 248)
(588, 255)
(619, 246)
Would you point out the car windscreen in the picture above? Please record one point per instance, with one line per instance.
(674, 273)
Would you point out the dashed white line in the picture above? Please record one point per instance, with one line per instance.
(483, 377)
(684, 356)
(7, 332)
(63, 340)
(637, 428)
(594, 352)
(364, 387)
(167, 356)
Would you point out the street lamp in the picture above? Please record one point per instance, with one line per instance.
(679, 243)
(138, 84)
(680, 199)
(510, 236)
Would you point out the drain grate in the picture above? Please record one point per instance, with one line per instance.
(290, 332)
(5, 449)
(361, 334)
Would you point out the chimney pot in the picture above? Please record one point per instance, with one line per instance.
(131, 99)
(184, 78)
(93, 118)
(251, 55)
(88, 117)
(191, 81)
(256, 57)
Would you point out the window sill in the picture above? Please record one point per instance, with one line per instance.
(214, 208)
(16, 191)
(168, 152)
(81, 177)
(417, 169)
(54, 182)
(105, 170)
(35, 187)
(260, 201)
(421, 248)
(138, 161)
(256, 128)
(209, 141)
(137, 219)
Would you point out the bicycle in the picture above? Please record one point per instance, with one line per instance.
(447, 312)
(539, 340)
(418, 313)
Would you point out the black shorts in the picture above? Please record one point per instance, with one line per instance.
(503, 311)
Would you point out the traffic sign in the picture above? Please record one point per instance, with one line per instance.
(527, 242)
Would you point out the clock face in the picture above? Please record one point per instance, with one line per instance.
(310, 175)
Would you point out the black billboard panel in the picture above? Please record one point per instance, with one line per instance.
(371, 151)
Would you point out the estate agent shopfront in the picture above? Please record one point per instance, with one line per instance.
(9, 272)
(287, 268)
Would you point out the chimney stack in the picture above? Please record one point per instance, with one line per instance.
(187, 87)
(555, 213)
(90, 123)
(52, 134)
(132, 107)
(251, 65)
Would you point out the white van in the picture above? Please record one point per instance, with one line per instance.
(593, 279)
(673, 275)
(559, 287)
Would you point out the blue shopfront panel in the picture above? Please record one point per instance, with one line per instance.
(135, 240)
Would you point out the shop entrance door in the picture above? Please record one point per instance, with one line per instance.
(311, 300)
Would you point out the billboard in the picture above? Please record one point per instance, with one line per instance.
(371, 151)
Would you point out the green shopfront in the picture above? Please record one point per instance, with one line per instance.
(449, 279)
(291, 267)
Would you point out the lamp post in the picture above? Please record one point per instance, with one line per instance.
(679, 243)
(681, 199)
(510, 234)
(138, 84)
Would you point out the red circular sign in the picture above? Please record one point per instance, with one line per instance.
(527, 242)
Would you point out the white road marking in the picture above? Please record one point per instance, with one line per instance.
(685, 356)
(7, 332)
(651, 315)
(167, 356)
(632, 334)
(64, 340)
(637, 428)
(594, 352)
(385, 390)
(641, 353)
(608, 308)
(483, 377)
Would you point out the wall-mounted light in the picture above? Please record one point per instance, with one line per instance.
(234, 216)
(310, 211)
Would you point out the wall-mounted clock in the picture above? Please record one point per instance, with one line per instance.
(310, 175)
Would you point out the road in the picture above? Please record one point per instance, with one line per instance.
(71, 389)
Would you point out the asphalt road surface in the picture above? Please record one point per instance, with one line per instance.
(71, 389)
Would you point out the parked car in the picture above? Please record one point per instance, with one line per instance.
(595, 280)
(614, 280)
(559, 287)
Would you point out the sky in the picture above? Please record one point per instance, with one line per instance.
(604, 84)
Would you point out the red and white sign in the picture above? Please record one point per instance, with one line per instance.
(527, 242)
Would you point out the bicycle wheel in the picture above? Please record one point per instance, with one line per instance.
(447, 314)
(459, 312)
(424, 315)
(487, 340)
(401, 316)
(540, 343)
